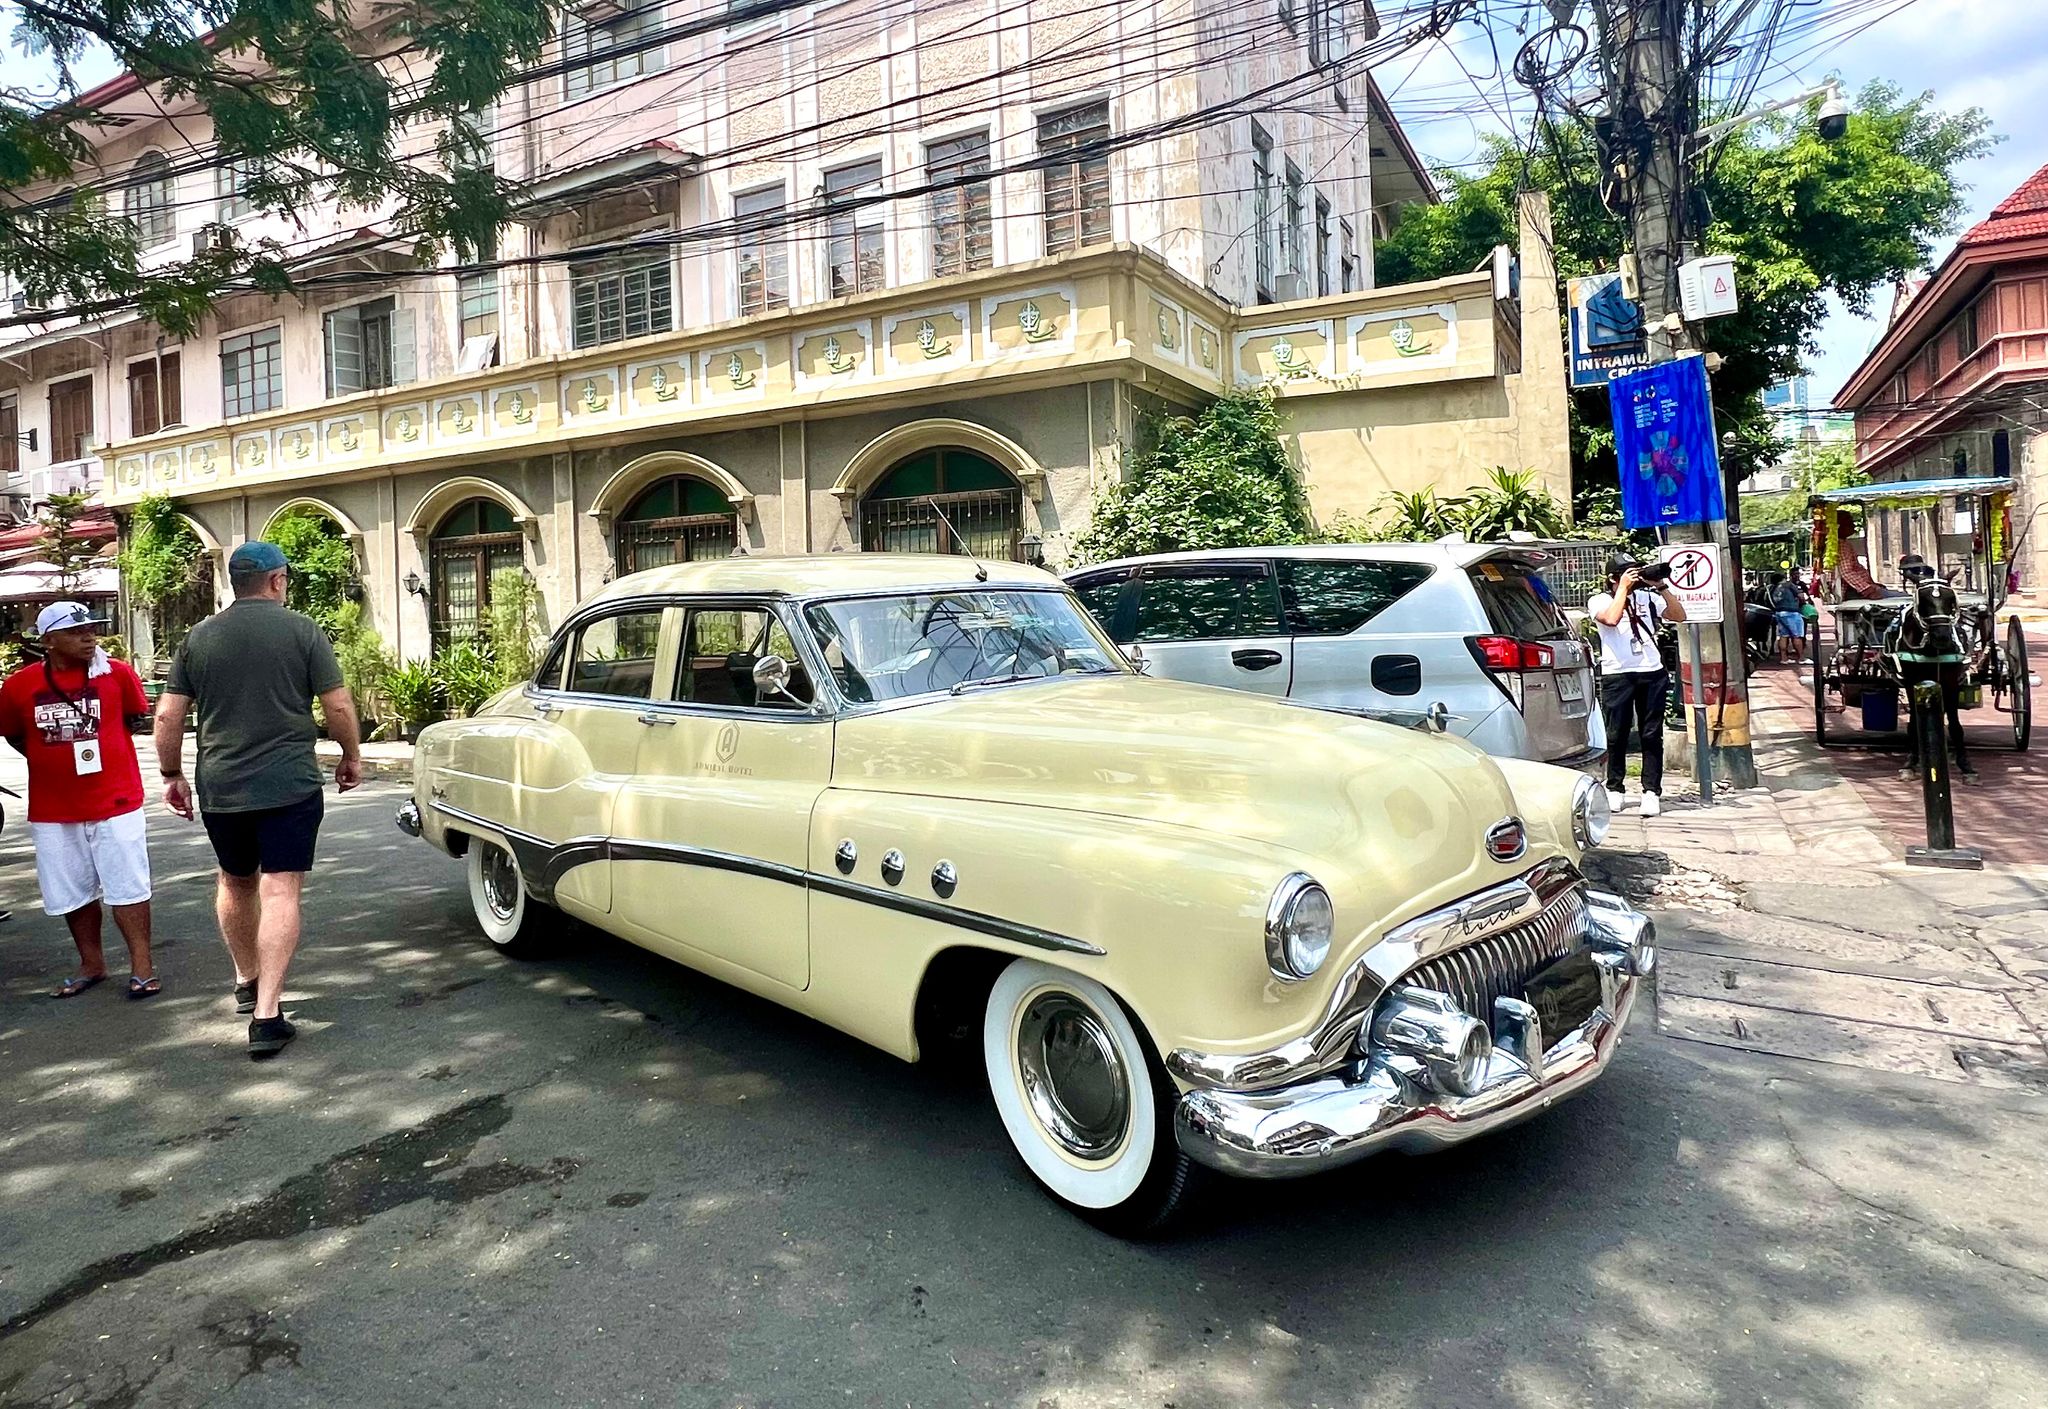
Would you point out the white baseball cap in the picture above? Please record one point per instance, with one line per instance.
(62, 616)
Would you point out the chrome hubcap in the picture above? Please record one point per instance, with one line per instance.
(501, 883)
(1073, 1076)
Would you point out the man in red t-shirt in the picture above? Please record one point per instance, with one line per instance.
(71, 716)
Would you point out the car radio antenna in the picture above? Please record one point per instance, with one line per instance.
(980, 571)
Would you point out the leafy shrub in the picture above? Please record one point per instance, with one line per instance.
(163, 568)
(467, 676)
(365, 664)
(1215, 480)
(516, 631)
(1512, 501)
(323, 565)
(412, 693)
(1421, 517)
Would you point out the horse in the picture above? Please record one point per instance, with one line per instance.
(1927, 647)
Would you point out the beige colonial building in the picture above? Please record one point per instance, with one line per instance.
(840, 278)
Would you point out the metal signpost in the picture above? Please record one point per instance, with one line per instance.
(1696, 579)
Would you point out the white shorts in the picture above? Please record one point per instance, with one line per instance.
(80, 862)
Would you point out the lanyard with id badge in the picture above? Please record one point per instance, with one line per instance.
(85, 753)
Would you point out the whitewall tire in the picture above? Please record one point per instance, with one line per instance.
(1083, 1099)
(513, 921)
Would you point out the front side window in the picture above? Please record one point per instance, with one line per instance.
(854, 252)
(918, 643)
(721, 646)
(70, 419)
(251, 373)
(763, 251)
(614, 656)
(1075, 145)
(149, 205)
(154, 399)
(1207, 602)
(616, 299)
(1329, 598)
(961, 229)
(611, 52)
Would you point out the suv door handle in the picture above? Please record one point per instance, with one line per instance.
(666, 721)
(1255, 659)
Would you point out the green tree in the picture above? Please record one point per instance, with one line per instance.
(323, 576)
(1804, 218)
(64, 547)
(321, 97)
(162, 566)
(1219, 479)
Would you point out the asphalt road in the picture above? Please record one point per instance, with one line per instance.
(602, 1179)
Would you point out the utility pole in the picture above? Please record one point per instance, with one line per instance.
(1654, 113)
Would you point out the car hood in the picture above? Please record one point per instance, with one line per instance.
(1376, 801)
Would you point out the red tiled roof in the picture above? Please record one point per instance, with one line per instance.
(2021, 215)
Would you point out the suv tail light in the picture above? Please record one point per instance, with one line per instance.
(1506, 659)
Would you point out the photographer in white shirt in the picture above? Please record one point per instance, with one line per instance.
(1634, 684)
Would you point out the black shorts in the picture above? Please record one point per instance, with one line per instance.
(274, 839)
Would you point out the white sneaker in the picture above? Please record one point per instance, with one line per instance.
(1615, 800)
(1651, 806)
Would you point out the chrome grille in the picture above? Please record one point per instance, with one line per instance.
(1500, 965)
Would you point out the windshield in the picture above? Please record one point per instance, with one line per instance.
(889, 648)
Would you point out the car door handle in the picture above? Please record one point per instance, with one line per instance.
(1252, 659)
(546, 709)
(666, 721)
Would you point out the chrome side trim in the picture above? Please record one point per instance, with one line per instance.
(544, 863)
(1334, 1036)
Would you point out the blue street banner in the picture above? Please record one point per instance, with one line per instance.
(1664, 445)
(1606, 330)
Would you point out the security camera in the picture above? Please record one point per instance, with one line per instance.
(1834, 116)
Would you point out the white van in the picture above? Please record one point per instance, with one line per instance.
(1387, 629)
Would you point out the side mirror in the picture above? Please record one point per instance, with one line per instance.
(771, 677)
(1135, 653)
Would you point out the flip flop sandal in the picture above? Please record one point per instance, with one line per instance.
(143, 987)
(72, 987)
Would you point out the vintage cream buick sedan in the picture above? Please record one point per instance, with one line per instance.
(926, 801)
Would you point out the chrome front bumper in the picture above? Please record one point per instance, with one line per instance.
(1381, 1101)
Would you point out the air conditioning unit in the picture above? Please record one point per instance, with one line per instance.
(208, 238)
(599, 11)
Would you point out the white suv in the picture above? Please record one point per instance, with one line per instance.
(1385, 629)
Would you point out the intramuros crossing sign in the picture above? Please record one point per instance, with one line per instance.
(1695, 577)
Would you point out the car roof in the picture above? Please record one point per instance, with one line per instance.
(823, 574)
(1439, 554)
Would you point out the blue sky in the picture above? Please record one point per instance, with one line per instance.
(1991, 54)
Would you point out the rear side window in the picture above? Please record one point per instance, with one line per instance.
(1207, 602)
(1327, 597)
(615, 656)
(1517, 600)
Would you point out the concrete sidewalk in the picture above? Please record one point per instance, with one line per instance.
(1791, 925)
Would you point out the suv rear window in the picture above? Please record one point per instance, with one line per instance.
(1331, 597)
(1517, 599)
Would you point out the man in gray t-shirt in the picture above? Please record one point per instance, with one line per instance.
(250, 675)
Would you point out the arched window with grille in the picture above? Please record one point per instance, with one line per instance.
(477, 540)
(148, 200)
(680, 519)
(944, 501)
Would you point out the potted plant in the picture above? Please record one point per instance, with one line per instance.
(413, 696)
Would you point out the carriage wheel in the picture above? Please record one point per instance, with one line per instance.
(2022, 685)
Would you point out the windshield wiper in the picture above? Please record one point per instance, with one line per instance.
(997, 680)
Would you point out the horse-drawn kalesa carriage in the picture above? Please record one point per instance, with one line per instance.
(1916, 619)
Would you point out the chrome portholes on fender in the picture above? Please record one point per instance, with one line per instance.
(845, 856)
(945, 880)
(893, 866)
(1085, 1102)
(510, 917)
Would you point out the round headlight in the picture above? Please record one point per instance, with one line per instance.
(1299, 925)
(1590, 813)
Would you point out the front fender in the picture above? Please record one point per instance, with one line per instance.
(1543, 800)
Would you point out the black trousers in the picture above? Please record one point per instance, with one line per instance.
(1633, 703)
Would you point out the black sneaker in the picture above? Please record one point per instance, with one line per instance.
(267, 1036)
(245, 997)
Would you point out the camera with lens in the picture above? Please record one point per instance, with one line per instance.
(1657, 574)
